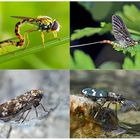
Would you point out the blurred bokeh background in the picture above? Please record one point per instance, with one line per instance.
(122, 82)
(93, 13)
(56, 86)
(50, 58)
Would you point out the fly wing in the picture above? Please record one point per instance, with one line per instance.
(30, 20)
(20, 17)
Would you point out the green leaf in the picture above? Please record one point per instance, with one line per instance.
(89, 31)
(81, 61)
(131, 17)
(91, 7)
(128, 63)
(110, 65)
(137, 60)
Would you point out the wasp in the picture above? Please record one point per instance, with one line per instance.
(42, 23)
(21, 104)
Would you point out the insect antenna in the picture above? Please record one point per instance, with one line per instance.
(93, 43)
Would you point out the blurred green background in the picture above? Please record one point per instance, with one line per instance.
(54, 57)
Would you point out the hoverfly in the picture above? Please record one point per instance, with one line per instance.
(42, 23)
(121, 35)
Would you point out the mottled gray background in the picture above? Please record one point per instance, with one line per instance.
(56, 86)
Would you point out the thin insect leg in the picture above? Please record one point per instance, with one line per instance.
(96, 115)
(27, 37)
(116, 109)
(36, 112)
(107, 107)
(42, 36)
(108, 104)
(55, 34)
(26, 115)
(43, 108)
(20, 117)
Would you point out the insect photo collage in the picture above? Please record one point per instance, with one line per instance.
(69, 69)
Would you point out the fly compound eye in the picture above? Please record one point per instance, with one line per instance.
(55, 26)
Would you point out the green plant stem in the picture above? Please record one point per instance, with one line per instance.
(38, 63)
(31, 50)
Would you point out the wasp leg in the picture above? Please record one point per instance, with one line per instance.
(43, 40)
(26, 115)
(27, 37)
(43, 108)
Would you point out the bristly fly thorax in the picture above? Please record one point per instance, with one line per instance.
(21, 104)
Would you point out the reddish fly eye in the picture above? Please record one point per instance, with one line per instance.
(55, 25)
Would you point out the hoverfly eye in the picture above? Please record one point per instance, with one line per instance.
(55, 26)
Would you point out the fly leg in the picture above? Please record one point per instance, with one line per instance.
(105, 111)
(116, 108)
(101, 105)
(55, 34)
(27, 37)
(43, 40)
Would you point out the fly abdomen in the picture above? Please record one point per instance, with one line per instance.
(7, 43)
(17, 32)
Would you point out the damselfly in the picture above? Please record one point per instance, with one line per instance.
(121, 34)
